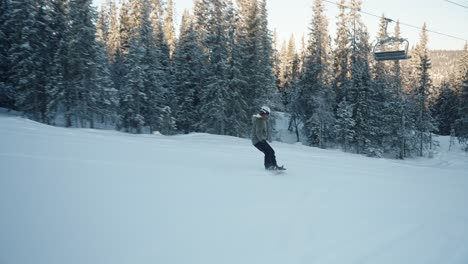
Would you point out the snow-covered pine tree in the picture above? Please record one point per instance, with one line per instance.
(409, 82)
(445, 108)
(157, 10)
(29, 56)
(257, 52)
(188, 71)
(424, 122)
(317, 97)
(341, 65)
(105, 97)
(126, 27)
(292, 96)
(158, 70)
(18, 27)
(86, 79)
(380, 118)
(462, 79)
(358, 92)
(120, 31)
(276, 57)
(165, 75)
(215, 95)
(6, 90)
(169, 32)
(288, 72)
(344, 126)
(282, 71)
(200, 16)
(58, 74)
(287, 56)
(166, 43)
(142, 95)
(238, 121)
(302, 54)
(132, 92)
(113, 35)
(247, 22)
(397, 108)
(103, 22)
(267, 87)
(292, 70)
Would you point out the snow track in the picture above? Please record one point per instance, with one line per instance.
(90, 196)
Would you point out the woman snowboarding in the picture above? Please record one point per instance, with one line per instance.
(260, 134)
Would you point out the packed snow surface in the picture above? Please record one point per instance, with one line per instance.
(102, 197)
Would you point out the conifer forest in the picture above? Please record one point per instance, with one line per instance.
(125, 66)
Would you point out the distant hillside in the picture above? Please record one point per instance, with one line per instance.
(444, 64)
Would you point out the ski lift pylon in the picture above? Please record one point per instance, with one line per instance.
(390, 48)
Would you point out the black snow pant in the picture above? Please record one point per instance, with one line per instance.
(270, 159)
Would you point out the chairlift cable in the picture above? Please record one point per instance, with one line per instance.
(401, 23)
(456, 3)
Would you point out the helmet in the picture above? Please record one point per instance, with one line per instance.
(265, 109)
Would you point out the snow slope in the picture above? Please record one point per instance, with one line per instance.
(96, 197)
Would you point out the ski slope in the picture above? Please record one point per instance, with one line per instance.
(75, 196)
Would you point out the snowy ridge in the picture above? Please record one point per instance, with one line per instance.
(92, 196)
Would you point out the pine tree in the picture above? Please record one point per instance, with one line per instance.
(103, 22)
(59, 70)
(115, 52)
(358, 94)
(6, 91)
(86, 80)
(200, 16)
(445, 109)
(257, 50)
(105, 95)
(188, 72)
(28, 56)
(134, 100)
(237, 84)
(113, 35)
(169, 32)
(290, 74)
(462, 122)
(380, 119)
(344, 126)
(292, 100)
(142, 96)
(132, 96)
(287, 55)
(119, 43)
(215, 95)
(317, 98)
(165, 77)
(267, 87)
(423, 90)
(398, 134)
(276, 57)
(341, 68)
(158, 81)
(126, 27)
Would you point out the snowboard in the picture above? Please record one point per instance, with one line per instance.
(280, 170)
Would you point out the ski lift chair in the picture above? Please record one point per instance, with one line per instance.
(391, 49)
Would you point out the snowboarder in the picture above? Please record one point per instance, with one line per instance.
(260, 134)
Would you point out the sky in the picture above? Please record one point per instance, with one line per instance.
(294, 16)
